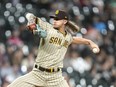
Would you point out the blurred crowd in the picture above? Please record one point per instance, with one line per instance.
(82, 68)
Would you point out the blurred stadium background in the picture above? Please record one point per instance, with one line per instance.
(82, 68)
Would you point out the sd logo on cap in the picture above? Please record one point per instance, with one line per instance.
(59, 15)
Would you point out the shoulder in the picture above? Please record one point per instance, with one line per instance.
(69, 34)
(70, 37)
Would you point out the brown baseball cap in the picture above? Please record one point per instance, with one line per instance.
(60, 15)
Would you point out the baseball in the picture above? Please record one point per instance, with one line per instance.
(95, 50)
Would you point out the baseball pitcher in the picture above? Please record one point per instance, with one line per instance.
(55, 39)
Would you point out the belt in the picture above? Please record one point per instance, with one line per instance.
(47, 70)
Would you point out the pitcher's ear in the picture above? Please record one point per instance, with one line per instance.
(65, 21)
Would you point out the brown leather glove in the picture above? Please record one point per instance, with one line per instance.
(31, 27)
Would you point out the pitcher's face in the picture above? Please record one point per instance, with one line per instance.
(59, 23)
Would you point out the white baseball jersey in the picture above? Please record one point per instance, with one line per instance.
(52, 49)
(50, 54)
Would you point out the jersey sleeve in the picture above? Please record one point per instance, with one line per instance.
(43, 24)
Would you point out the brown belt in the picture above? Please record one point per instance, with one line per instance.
(47, 70)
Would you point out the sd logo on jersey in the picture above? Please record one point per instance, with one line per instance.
(58, 41)
(55, 40)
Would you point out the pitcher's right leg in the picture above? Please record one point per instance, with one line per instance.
(29, 80)
(19, 83)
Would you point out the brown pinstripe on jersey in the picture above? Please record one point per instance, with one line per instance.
(51, 54)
